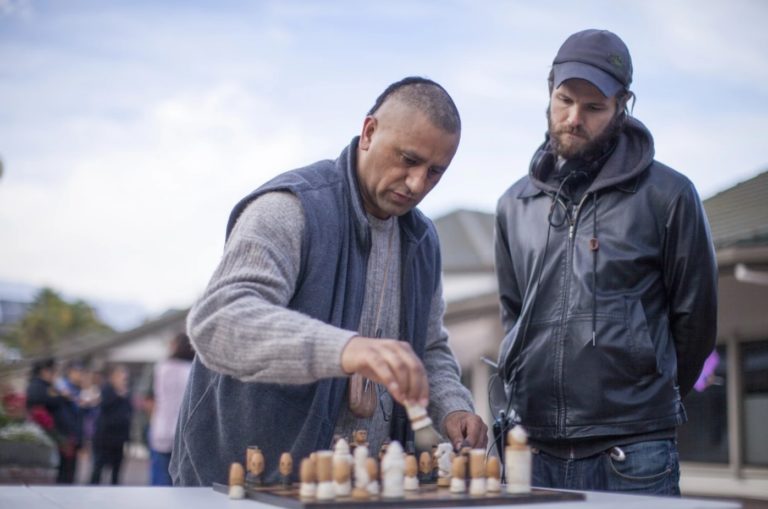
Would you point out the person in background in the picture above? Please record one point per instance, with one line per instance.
(169, 381)
(113, 425)
(70, 386)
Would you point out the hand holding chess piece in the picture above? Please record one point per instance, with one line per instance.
(518, 461)
(392, 471)
(308, 486)
(236, 481)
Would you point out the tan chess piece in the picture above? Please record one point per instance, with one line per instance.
(286, 469)
(425, 468)
(411, 481)
(518, 461)
(325, 489)
(360, 492)
(493, 475)
(308, 479)
(458, 474)
(372, 466)
(342, 467)
(477, 482)
(236, 481)
(255, 464)
(444, 456)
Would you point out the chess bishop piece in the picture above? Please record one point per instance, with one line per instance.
(518, 461)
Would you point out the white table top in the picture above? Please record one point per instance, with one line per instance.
(120, 497)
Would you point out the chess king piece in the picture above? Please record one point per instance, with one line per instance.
(236, 481)
(425, 468)
(458, 474)
(255, 463)
(493, 475)
(372, 466)
(444, 455)
(392, 471)
(308, 486)
(411, 480)
(518, 461)
(361, 472)
(477, 482)
(325, 490)
(342, 466)
(286, 469)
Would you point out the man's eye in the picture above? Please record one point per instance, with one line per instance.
(409, 161)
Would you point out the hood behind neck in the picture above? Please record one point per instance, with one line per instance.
(630, 156)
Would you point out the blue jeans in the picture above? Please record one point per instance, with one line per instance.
(646, 467)
(158, 468)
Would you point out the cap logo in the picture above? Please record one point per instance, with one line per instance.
(616, 61)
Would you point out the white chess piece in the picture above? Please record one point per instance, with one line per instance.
(518, 461)
(341, 455)
(361, 471)
(444, 455)
(392, 471)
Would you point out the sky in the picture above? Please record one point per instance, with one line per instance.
(128, 130)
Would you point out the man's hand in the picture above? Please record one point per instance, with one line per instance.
(391, 363)
(466, 429)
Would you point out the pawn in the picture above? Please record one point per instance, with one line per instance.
(477, 482)
(493, 475)
(236, 481)
(426, 475)
(373, 475)
(361, 473)
(411, 480)
(308, 486)
(325, 489)
(255, 463)
(392, 471)
(458, 474)
(286, 469)
(342, 478)
(518, 461)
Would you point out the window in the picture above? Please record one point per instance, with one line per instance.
(754, 366)
(704, 438)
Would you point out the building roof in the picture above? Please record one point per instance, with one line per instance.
(466, 241)
(738, 216)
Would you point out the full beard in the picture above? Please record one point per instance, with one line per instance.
(591, 149)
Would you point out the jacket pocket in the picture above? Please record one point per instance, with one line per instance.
(640, 345)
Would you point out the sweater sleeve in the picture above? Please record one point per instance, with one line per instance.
(241, 325)
(446, 392)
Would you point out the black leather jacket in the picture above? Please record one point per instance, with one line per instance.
(609, 307)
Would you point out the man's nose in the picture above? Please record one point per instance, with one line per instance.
(416, 180)
(575, 116)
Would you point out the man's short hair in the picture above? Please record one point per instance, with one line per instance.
(426, 96)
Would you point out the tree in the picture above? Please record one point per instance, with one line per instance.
(51, 321)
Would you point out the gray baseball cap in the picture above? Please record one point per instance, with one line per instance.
(598, 56)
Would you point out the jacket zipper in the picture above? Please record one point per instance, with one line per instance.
(560, 350)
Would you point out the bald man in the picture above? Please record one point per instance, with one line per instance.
(330, 274)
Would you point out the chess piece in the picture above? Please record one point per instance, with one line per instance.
(342, 466)
(255, 464)
(236, 481)
(286, 469)
(444, 455)
(373, 475)
(518, 461)
(392, 471)
(458, 474)
(477, 482)
(383, 449)
(425, 468)
(359, 437)
(411, 480)
(361, 472)
(325, 490)
(493, 475)
(308, 486)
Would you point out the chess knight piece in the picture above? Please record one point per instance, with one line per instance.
(411, 481)
(254, 459)
(236, 481)
(393, 471)
(518, 461)
(286, 469)
(308, 478)
(444, 455)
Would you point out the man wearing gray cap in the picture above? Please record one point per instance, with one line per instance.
(608, 286)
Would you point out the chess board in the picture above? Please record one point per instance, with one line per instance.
(426, 496)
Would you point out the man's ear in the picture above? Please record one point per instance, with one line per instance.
(369, 126)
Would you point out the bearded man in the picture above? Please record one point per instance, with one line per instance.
(608, 285)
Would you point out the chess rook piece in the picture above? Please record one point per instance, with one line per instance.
(342, 466)
(392, 471)
(255, 465)
(236, 481)
(444, 456)
(518, 461)
(361, 472)
(308, 478)
(477, 482)
(286, 469)
(411, 480)
(493, 475)
(373, 475)
(325, 490)
(458, 474)
(426, 475)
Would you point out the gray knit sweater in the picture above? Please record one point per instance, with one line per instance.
(261, 340)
